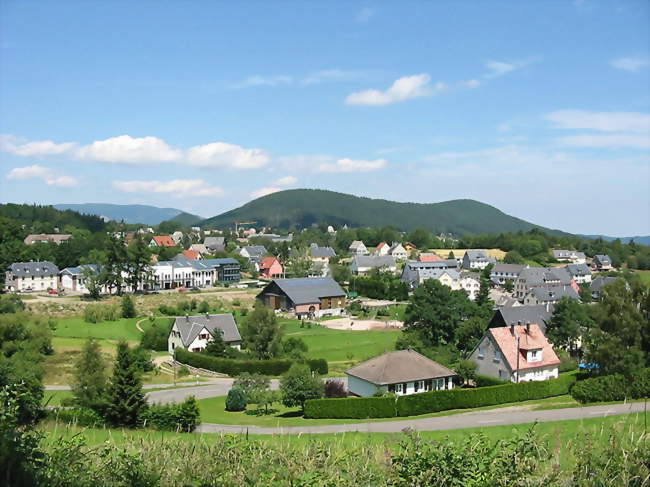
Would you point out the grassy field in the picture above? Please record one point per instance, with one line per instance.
(644, 275)
(125, 328)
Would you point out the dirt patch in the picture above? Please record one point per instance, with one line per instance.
(353, 324)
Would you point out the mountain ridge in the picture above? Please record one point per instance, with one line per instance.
(144, 214)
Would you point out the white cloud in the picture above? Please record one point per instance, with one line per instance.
(264, 191)
(402, 89)
(353, 165)
(45, 174)
(259, 80)
(175, 187)
(470, 83)
(331, 75)
(286, 181)
(130, 150)
(614, 141)
(501, 68)
(219, 154)
(18, 146)
(364, 15)
(601, 121)
(632, 64)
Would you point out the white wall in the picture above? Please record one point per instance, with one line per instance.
(361, 387)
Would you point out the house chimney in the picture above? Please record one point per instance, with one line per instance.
(512, 328)
(528, 327)
(187, 317)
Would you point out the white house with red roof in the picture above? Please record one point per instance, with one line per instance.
(382, 248)
(518, 353)
(162, 241)
(271, 267)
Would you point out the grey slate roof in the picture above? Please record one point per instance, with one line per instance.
(306, 290)
(507, 268)
(39, 269)
(399, 366)
(536, 276)
(255, 251)
(602, 259)
(214, 242)
(321, 252)
(578, 269)
(190, 326)
(440, 264)
(568, 254)
(373, 261)
(477, 255)
(539, 314)
(79, 270)
(199, 265)
(554, 293)
(598, 283)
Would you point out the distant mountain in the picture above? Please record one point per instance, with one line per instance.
(643, 240)
(304, 207)
(145, 214)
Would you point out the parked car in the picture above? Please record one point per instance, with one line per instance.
(182, 290)
(52, 291)
(195, 288)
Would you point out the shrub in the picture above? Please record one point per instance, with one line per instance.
(78, 416)
(352, 407)
(235, 367)
(128, 308)
(93, 313)
(567, 363)
(335, 388)
(236, 400)
(485, 381)
(612, 388)
(183, 371)
(168, 310)
(182, 416)
(434, 401)
(155, 337)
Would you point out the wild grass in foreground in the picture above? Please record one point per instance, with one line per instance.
(600, 452)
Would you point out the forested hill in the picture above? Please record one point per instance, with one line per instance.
(303, 207)
(43, 219)
(145, 214)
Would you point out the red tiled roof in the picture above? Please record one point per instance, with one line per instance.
(164, 241)
(382, 245)
(534, 340)
(430, 258)
(267, 262)
(191, 254)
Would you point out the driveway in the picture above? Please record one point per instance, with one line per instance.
(475, 419)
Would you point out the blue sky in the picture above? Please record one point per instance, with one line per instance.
(541, 109)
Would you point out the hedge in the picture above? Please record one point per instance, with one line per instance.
(612, 388)
(486, 380)
(184, 416)
(234, 367)
(352, 407)
(434, 401)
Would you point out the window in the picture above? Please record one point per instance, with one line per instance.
(398, 388)
(481, 352)
(497, 355)
(418, 386)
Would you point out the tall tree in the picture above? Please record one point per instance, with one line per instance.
(89, 377)
(298, 385)
(116, 262)
(125, 399)
(569, 322)
(262, 333)
(139, 263)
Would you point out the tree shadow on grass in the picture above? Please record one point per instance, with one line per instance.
(260, 412)
(291, 414)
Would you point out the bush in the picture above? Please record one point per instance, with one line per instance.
(612, 388)
(236, 400)
(78, 416)
(335, 388)
(234, 367)
(434, 401)
(167, 310)
(93, 313)
(485, 381)
(155, 337)
(128, 308)
(353, 407)
(567, 363)
(182, 416)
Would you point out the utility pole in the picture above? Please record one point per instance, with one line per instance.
(517, 359)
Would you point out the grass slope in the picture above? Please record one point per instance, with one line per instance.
(303, 207)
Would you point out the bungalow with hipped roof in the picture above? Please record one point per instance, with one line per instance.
(194, 332)
(516, 353)
(402, 372)
(305, 297)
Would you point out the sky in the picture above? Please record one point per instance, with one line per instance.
(541, 109)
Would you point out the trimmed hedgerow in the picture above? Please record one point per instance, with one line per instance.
(351, 407)
(235, 367)
(182, 416)
(434, 401)
(612, 388)
(486, 380)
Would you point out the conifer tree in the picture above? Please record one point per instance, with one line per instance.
(126, 399)
(89, 378)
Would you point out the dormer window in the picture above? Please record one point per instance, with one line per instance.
(534, 356)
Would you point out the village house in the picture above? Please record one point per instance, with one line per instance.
(532, 277)
(31, 276)
(361, 265)
(549, 295)
(321, 254)
(162, 241)
(358, 248)
(602, 262)
(476, 259)
(415, 273)
(579, 272)
(271, 267)
(177, 237)
(56, 238)
(597, 286)
(188, 273)
(501, 273)
(409, 247)
(194, 332)
(200, 248)
(75, 278)
(402, 372)
(569, 256)
(382, 248)
(397, 251)
(215, 244)
(470, 282)
(305, 297)
(189, 255)
(254, 254)
(429, 257)
(517, 353)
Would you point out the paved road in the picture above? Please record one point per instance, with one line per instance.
(494, 417)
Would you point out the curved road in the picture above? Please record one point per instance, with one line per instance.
(476, 419)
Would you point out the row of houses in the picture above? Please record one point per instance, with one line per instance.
(41, 276)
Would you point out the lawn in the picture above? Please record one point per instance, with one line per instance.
(342, 345)
(124, 328)
(644, 275)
